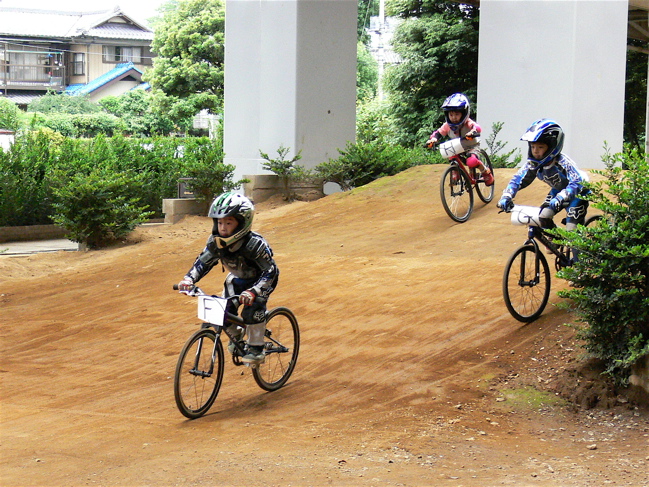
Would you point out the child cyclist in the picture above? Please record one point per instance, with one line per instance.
(457, 112)
(546, 162)
(249, 261)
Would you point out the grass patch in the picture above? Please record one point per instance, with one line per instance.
(530, 398)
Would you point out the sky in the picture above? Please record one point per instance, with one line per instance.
(139, 10)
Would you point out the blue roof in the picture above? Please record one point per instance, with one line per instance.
(119, 71)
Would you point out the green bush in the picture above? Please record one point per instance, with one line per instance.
(362, 163)
(9, 115)
(611, 278)
(25, 186)
(99, 207)
(494, 148)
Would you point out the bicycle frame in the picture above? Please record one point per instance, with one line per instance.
(461, 163)
(535, 233)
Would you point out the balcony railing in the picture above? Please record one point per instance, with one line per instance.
(35, 76)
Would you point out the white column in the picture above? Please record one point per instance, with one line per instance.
(290, 79)
(560, 59)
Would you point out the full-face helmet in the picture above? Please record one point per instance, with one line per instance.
(457, 102)
(546, 131)
(237, 206)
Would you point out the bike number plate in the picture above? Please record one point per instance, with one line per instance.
(211, 309)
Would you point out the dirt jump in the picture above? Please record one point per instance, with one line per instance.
(411, 370)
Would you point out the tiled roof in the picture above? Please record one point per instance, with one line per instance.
(68, 25)
(121, 71)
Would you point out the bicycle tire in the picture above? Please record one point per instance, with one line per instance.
(526, 294)
(282, 346)
(486, 193)
(456, 194)
(195, 393)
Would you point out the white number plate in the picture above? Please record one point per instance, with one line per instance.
(211, 309)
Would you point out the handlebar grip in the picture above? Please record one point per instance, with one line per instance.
(175, 287)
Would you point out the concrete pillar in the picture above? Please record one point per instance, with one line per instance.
(563, 59)
(290, 80)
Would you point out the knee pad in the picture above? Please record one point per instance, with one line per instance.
(472, 161)
(254, 314)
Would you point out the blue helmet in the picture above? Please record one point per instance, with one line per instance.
(457, 102)
(546, 131)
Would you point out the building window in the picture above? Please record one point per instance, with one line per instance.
(120, 54)
(78, 64)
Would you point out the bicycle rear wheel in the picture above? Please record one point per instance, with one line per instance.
(456, 194)
(526, 284)
(486, 193)
(282, 345)
(198, 377)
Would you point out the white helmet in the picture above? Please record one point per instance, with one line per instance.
(237, 206)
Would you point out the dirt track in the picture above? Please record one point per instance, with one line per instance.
(411, 371)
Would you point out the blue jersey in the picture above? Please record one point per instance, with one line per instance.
(562, 176)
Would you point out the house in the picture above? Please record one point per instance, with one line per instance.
(97, 53)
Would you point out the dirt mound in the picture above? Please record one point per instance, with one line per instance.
(411, 370)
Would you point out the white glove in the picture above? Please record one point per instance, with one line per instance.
(185, 285)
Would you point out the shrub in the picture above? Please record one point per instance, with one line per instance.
(611, 278)
(203, 164)
(99, 207)
(9, 115)
(494, 146)
(362, 163)
(284, 168)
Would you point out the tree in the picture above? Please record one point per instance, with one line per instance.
(367, 74)
(636, 95)
(440, 56)
(189, 42)
(136, 109)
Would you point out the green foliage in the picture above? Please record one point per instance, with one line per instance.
(366, 9)
(136, 109)
(440, 58)
(39, 161)
(362, 163)
(78, 125)
(367, 74)
(611, 278)
(635, 98)
(203, 163)
(282, 167)
(494, 146)
(63, 103)
(25, 192)
(98, 207)
(189, 43)
(9, 115)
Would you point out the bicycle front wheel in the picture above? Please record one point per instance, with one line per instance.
(456, 194)
(526, 284)
(282, 346)
(199, 373)
(486, 193)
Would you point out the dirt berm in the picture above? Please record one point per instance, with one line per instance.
(411, 370)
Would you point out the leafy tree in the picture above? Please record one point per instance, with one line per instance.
(440, 56)
(636, 95)
(367, 74)
(366, 9)
(610, 280)
(135, 108)
(189, 43)
(9, 115)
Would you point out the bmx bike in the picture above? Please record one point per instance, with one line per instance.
(201, 364)
(526, 280)
(459, 181)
